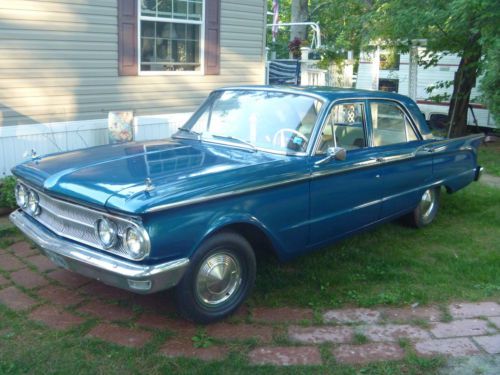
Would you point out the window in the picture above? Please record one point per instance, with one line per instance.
(344, 127)
(170, 35)
(275, 121)
(390, 125)
(389, 85)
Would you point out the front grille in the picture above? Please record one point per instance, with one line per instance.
(76, 222)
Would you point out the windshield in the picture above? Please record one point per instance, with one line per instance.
(268, 120)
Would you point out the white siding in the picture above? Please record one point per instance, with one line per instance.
(58, 62)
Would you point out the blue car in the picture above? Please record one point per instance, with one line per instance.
(254, 169)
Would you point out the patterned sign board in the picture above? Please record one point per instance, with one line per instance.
(120, 126)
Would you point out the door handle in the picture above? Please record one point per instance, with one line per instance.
(380, 159)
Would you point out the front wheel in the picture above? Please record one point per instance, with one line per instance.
(220, 277)
(426, 210)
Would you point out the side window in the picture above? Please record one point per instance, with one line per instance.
(390, 125)
(344, 127)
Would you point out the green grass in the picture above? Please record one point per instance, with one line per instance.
(489, 158)
(455, 258)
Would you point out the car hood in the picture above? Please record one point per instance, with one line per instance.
(135, 177)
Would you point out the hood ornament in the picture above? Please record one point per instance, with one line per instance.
(149, 185)
(32, 154)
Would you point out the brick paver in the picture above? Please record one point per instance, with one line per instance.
(285, 356)
(15, 299)
(464, 327)
(474, 310)
(456, 347)
(55, 317)
(316, 335)
(491, 344)
(281, 314)
(351, 316)
(179, 326)
(106, 311)
(23, 249)
(226, 331)
(183, 347)
(366, 353)
(105, 292)
(495, 320)
(132, 338)
(394, 332)
(68, 279)
(28, 279)
(42, 263)
(9, 262)
(153, 321)
(408, 314)
(162, 302)
(60, 296)
(3, 281)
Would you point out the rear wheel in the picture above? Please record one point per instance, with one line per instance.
(426, 210)
(220, 277)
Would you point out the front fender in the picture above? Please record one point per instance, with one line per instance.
(225, 220)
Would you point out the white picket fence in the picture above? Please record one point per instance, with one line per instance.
(16, 142)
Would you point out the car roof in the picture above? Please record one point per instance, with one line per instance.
(328, 93)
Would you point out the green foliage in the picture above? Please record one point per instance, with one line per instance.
(490, 84)
(202, 340)
(7, 197)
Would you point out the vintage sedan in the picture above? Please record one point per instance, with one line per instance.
(255, 169)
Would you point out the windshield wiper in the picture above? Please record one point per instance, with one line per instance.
(233, 139)
(189, 131)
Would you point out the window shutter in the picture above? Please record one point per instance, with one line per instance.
(127, 37)
(212, 37)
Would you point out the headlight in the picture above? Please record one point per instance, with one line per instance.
(136, 243)
(105, 230)
(33, 203)
(21, 196)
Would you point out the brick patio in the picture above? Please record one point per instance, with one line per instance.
(285, 336)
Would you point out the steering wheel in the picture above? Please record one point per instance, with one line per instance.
(283, 141)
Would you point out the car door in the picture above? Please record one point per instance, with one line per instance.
(344, 194)
(405, 168)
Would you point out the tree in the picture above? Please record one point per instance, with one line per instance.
(300, 13)
(450, 27)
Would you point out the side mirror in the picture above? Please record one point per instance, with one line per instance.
(337, 153)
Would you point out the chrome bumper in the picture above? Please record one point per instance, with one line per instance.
(91, 263)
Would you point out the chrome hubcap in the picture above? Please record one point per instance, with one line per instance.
(427, 203)
(218, 278)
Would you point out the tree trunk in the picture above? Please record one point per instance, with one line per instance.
(300, 12)
(465, 80)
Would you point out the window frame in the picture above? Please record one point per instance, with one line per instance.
(325, 120)
(407, 118)
(202, 24)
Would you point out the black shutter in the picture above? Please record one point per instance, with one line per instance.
(127, 37)
(212, 37)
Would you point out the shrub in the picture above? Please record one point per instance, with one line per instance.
(7, 195)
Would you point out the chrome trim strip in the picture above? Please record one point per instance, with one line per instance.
(360, 165)
(96, 265)
(224, 195)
